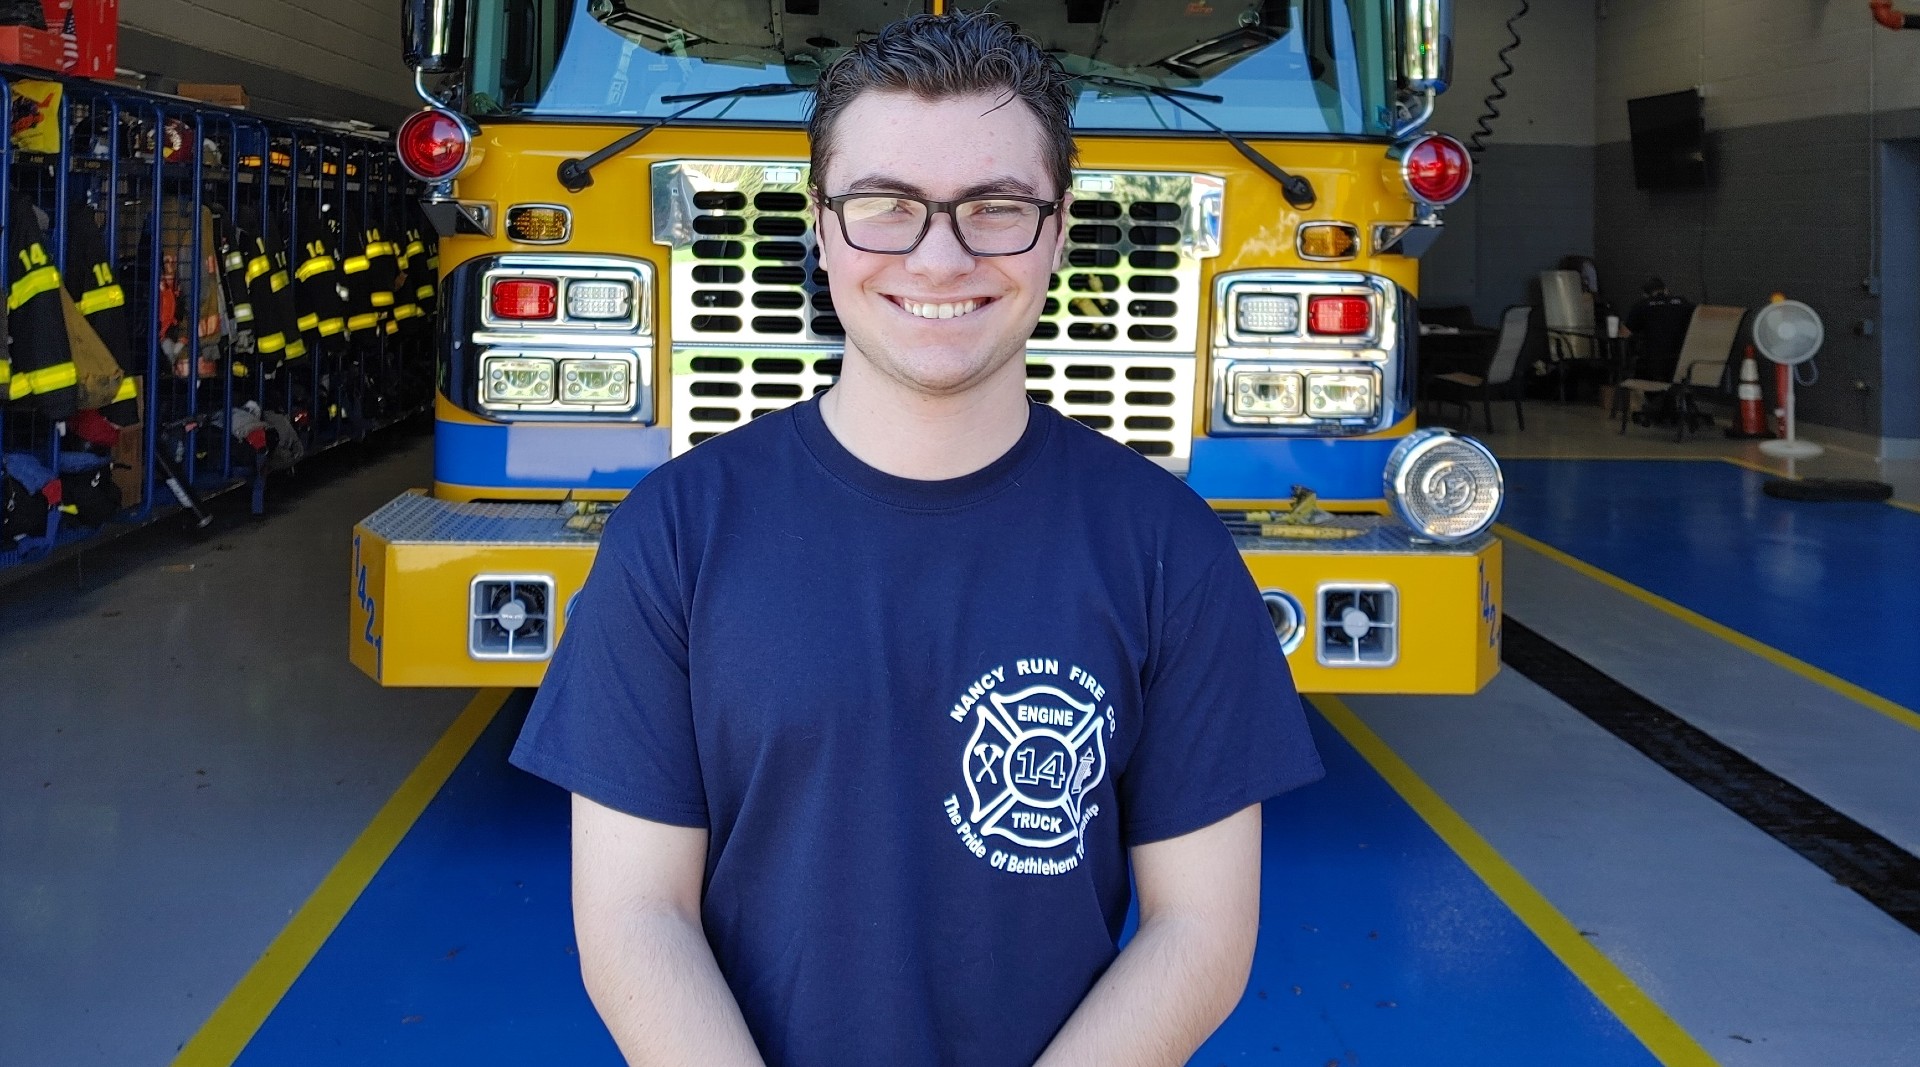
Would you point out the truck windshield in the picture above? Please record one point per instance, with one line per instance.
(1284, 67)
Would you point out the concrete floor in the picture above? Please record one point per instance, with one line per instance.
(156, 833)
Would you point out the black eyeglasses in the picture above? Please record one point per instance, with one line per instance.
(894, 224)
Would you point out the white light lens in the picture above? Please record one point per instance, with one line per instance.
(595, 381)
(1267, 313)
(599, 300)
(1265, 394)
(1446, 487)
(517, 381)
(1339, 396)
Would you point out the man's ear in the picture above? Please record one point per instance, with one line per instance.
(820, 242)
(1060, 232)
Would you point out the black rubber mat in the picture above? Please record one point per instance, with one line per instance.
(1885, 874)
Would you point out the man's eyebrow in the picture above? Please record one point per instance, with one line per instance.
(999, 183)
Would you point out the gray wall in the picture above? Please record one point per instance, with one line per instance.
(336, 59)
(1533, 196)
(1800, 96)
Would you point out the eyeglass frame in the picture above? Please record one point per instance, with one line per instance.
(1048, 209)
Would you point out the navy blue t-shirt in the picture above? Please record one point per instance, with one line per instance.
(921, 721)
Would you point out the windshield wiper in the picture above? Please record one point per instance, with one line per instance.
(1297, 190)
(577, 174)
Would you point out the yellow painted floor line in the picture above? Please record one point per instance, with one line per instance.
(221, 1038)
(1898, 713)
(1667, 1040)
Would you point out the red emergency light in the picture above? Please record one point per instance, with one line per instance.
(1437, 169)
(433, 144)
(524, 299)
(1339, 316)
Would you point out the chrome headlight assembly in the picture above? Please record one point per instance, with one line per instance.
(1446, 487)
(516, 380)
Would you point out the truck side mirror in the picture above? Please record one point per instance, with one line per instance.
(433, 35)
(1426, 45)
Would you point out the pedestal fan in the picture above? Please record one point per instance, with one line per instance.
(1790, 334)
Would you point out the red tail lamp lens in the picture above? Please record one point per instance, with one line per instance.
(1438, 169)
(1340, 316)
(525, 298)
(432, 145)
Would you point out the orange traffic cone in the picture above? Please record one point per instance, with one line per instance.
(1752, 421)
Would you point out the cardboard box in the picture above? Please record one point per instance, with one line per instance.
(28, 47)
(89, 32)
(128, 450)
(214, 93)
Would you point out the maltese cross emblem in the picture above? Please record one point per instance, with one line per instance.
(1033, 758)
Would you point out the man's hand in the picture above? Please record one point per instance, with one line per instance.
(645, 959)
(1187, 965)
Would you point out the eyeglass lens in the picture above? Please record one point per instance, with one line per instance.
(894, 224)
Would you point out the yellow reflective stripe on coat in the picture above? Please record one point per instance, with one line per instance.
(362, 322)
(381, 248)
(296, 347)
(51, 379)
(95, 300)
(380, 298)
(243, 312)
(129, 390)
(425, 292)
(270, 342)
(415, 247)
(32, 284)
(309, 321)
(329, 327)
(257, 266)
(316, 265)
(356, 264)
(279, 280)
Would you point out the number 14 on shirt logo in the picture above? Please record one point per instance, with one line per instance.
(1031, 761)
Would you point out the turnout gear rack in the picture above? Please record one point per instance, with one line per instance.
(263, 288)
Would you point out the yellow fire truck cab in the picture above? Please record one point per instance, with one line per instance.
(627, 269)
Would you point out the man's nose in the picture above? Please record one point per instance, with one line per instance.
(940, 251)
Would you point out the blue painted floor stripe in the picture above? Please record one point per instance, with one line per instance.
(1832, 584)
(1379, 945)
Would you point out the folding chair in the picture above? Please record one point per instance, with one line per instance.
(1702, 365)
(1462, 388)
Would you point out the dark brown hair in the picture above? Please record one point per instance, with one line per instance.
(939, 56)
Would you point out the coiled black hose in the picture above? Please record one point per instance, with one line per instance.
(1484, 124)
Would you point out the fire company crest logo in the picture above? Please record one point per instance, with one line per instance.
(1037, 750)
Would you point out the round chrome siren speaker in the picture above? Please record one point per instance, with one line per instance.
(1446, 487)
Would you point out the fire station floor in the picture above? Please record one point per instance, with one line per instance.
(1679, 828)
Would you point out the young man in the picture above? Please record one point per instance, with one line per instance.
(870, 706)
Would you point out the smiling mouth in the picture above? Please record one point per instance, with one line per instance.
(950, 310)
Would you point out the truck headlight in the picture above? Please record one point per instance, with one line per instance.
(1446, 487)
(1264, 394)
(1340, 396)
(516, 380)
(595, 381)
(1266, 313)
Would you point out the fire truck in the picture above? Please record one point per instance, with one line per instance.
(628, 269)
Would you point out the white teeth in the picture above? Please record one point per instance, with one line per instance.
(939, 311)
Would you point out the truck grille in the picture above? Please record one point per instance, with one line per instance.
(1114, 347)
(1144, 402)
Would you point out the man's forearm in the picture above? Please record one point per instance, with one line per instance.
(1170, 988)
(654, 980)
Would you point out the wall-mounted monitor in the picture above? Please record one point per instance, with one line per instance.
(1669, 140)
